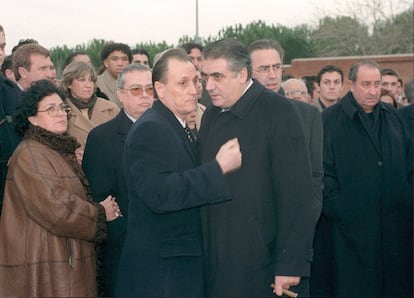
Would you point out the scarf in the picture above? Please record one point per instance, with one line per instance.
(65, 145)
(80, 104)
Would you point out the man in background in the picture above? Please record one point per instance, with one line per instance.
(115, 57)
(9, 99)
(368, 196)
(330, 80)
(295, 89)
(103, 161)
(141, 56)
(265, 53)
(32, 62)
(195, 52)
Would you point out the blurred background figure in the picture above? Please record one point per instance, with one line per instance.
(408, 98)
(195, 52)
(32, 62)
(103, 161)
(115, 57)
(88, 110)
(141, 56)
(2, 45)
(330, 81)
(389, 81)
(10, 96)
(387, 97)
(7, 68)
(77, 56)
(296, 89)
(313, 88)
(193, 120)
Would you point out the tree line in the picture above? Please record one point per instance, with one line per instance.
(332, 36)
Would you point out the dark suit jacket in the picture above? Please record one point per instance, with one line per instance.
(104, 167)
(162, 254)
(267, 229)
(312, 122)
(407, 114)
(10, 96)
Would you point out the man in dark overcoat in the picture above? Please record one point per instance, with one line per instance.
(10, 96)
(103, 162)
(163, 250)
(264, 235)
(367, 195)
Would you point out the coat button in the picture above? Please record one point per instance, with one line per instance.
(379, 163)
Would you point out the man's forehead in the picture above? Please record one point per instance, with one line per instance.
(389, 78)
(214, 63)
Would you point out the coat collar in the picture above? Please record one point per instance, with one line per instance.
(242, 107)
(173, 121)
(123, 123)
(351, 107)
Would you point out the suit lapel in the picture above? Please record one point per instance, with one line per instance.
(172, 120)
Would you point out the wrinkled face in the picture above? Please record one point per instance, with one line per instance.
(330, 87)
(137, 95)
(367, 88)
(196, 57)
(140, 59)
(224, 86)
(390, 83)
(267, 68)
(115, 63)
(82, 87)
(41, 68)
(2, 47)
(45, 117)
(179, 91)
(296, 90)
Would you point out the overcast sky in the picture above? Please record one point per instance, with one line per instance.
(71, 22)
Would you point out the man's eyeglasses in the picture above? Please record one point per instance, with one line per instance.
(53, 110)
(138, 91)
(265, 69)
(293, 92)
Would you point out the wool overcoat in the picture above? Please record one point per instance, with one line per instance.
(163, 250)
(267, 228)
(103, 163)
(368, 203)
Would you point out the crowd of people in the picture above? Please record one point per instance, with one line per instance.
(203, 172)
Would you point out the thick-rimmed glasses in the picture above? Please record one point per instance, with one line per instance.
(138, 91)
(53, 110)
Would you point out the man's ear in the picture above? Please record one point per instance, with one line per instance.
(22, 72)
(243, 75)
(159, 88)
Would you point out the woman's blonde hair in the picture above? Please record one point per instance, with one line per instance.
(75, 70)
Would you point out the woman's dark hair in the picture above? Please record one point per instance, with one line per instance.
(30, 103)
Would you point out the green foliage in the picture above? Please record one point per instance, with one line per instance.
(153, 48)
(333, 36)
(340, 36)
